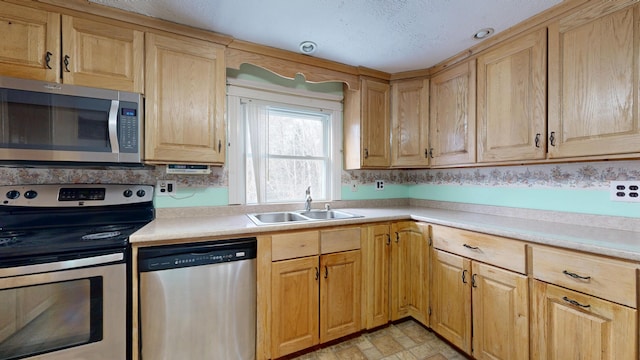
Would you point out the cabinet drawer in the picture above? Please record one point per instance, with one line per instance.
(339, 240)
(294, 245)
(605, 278)
(495, 250)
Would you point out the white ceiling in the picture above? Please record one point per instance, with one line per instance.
(387, 35)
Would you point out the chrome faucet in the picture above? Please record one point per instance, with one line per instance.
(307, 201)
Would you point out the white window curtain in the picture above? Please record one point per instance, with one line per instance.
(248, 100)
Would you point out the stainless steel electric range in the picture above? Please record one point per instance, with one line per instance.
(64, 269)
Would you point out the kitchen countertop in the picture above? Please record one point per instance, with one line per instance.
(623, 244)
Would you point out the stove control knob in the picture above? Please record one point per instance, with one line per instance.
(127, 193)
(141, 193)
(30, 194)
(13, 194)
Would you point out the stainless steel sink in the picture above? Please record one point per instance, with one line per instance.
(276, 217)
(297, 216)
(327, 214)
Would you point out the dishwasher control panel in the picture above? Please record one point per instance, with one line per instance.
(173, 257)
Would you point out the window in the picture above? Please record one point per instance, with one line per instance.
(284, 143)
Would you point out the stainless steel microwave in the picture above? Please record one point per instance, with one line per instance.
(50, 122)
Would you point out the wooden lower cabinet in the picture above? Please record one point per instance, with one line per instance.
(409, 271)
(481, 309)
(573, 325)
(376, 253)
(314, 299)
(451, 298)
(294, 303)
(500, 308)
(340, 294)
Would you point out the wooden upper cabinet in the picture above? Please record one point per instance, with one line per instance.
(30, 46)
(512, 100)
(594, 78)
(452, 118)
(366, 126)
(410, 123)
(102, 55)
(185, 97)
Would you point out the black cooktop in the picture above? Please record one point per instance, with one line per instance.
(63, 220)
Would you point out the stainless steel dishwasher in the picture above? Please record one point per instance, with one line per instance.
(198, 301)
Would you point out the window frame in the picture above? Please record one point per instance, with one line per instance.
(241, 90)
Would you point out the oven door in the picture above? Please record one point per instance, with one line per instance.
(72, 309)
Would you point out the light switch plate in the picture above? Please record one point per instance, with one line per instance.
(627, 191)
(165, 187)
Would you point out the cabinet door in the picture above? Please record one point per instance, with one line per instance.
(340, 293)
(593, 81)
(185, 85)
(409, 271)
(453, 115)
(410, 123)
(451, 298)
(500, 313)
(376, 253)
(8, 313)
(572, 325)
(102, 55)
(30, 46)
(294, 303)
(375, 124)
(512, 100)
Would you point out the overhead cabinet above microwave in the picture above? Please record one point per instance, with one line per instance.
(43, 45)
(42, 121)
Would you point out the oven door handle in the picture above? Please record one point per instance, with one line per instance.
(61, 265)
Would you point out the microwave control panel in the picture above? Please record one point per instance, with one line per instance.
(129, 127)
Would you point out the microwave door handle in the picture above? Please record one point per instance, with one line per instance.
(113, 126)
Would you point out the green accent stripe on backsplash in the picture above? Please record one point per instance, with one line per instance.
(586, 201)
(188, 197)
(369, 192)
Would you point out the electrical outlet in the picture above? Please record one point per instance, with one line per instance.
(354, 186)
(166, 187)
(379, 185)
(624, 191)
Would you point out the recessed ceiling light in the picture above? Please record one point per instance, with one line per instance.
(308, 47)
(483, 33)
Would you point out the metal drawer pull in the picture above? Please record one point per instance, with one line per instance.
(573, 302)
(464, 276)
(326, 272)
(471, 247)
(388, 239)
(474, 284)
(537, 140)
(47, 59)
(576, 276)
(66, 63)
(317, 273)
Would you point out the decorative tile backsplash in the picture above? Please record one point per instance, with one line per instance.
(572, 175)
(147, 175)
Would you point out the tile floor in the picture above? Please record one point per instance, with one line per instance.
(407, 340)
